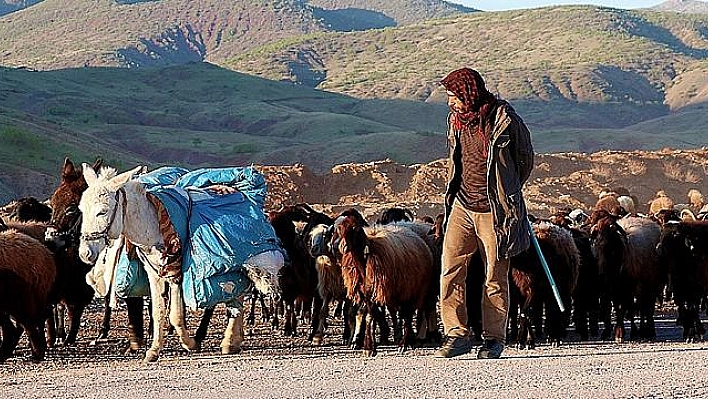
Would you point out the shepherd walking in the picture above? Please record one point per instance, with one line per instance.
(490, 158)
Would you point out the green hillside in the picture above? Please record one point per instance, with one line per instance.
(563, 54)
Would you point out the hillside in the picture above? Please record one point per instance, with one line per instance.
(58, 34)
(685, 6)
(588, 55)
(402, 12)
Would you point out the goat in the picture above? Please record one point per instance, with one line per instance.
(387, 266)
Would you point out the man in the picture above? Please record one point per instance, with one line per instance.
(490, 158)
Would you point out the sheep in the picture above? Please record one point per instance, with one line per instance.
(387, 266)
(683, 246)
(30, 209)
(629, 268)
(392, 215)
(532, 285)
(27, 274)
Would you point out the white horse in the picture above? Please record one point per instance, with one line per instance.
(115, 205)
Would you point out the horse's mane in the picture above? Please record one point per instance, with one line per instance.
(106, 173)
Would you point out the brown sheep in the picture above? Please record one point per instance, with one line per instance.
(27, 273)
(387, 266)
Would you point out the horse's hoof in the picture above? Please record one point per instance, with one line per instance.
(151, 356)
(192, 345)
(230, 350)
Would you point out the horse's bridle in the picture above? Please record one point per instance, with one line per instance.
(103, 235)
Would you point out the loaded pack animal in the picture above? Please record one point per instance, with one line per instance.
(630, 269)
(387, 266)
(683, 245)
(531, 291)
(64, 231)
(27, 274)
(115, 205)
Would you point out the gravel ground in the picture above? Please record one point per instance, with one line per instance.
(272, 366)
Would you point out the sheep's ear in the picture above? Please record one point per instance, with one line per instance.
(120, 180)
(89, 174)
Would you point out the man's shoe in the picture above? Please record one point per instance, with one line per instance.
(454, 346)
(491, 349)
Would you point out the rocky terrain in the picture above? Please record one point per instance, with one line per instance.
(558, 181)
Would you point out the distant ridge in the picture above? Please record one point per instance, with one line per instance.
(686, 6)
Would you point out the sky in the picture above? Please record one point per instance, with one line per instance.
(498, 5)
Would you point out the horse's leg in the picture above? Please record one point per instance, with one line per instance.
(233, 335)
(106, 323)
(203, 325)
(252, 314)
(158, 315)
(75, 313)
(136, 334)
(177, 319)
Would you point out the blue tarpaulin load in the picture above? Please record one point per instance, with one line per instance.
(220, 233)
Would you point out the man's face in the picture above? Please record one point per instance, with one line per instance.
(455, 104)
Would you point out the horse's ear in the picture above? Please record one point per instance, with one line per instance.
(123, 178)
(97, 164)
(68, 169)
(89, 174)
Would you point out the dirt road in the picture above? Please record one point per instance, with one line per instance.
(272, 366)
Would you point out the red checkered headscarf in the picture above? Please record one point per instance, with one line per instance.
(468, 85)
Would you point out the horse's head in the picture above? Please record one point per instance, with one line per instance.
(102, 206)
(66, 218)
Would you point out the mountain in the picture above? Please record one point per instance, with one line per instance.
(574, 56)
(58, 34)
(685, 6)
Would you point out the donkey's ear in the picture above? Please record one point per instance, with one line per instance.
(97, 164)
(89, 174)
(68, 169)
(121, 179)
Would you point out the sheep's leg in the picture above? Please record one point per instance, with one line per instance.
(406, 316)
(252, 315)
(106, 323)
(265, 309)
(177, 319)
(204, 325)
(359, 326)
(315, 316)
(290, 328)
(10, 336)
(51, 334)
(369, 342)
(37, 341)
(384, 329)
(318, 337)
(347, 334)
(233, 335)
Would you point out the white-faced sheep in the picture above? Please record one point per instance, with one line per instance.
(27, 273)
(387, 266)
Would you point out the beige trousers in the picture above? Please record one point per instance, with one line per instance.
(466, 233)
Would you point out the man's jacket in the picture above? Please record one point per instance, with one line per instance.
(509, 164)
